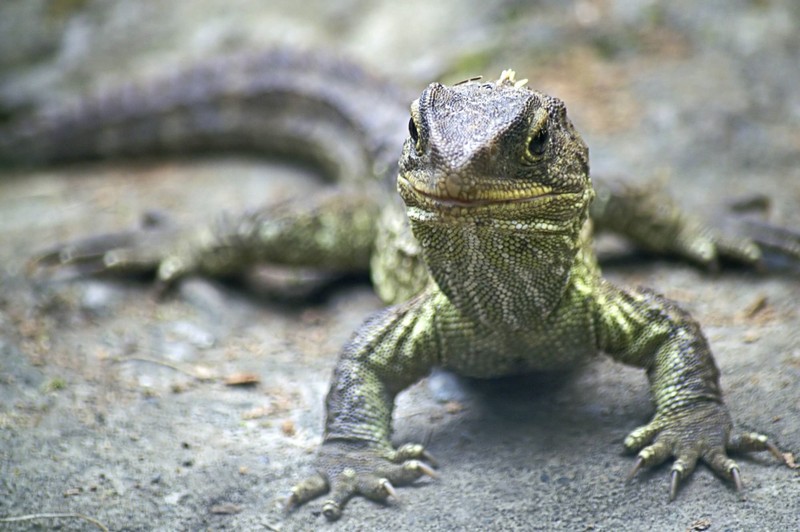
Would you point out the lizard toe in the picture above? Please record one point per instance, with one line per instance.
(682, 467)
(310, 488)
(720, 463)
(343, 487)
(654, 454)
(377, 488)
(642, 436)
(412, 451)
(750, 442)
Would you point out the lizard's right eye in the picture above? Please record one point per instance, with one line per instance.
(538, 143)
(412, 130)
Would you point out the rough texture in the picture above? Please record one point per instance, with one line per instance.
(497, 190)
(496, 185)
(523, 432)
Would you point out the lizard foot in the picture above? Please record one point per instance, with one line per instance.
(704, 433)
(706, 246)
(134, 251)
(158, 246)
(347, 468)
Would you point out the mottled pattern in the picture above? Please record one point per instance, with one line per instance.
(496, 185)
(491, 270)
(309, 105)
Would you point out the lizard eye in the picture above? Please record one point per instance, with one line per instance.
(538, 142)
(412, 130)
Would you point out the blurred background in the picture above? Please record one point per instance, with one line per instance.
(701, 95)
(702, 88)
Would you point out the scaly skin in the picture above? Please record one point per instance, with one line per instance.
(491, 271)
(499, 212)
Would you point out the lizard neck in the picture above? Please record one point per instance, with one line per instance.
(499, 271)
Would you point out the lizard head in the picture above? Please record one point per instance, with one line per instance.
(497, 189)
(496, 149)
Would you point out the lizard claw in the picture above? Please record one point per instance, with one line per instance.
(675, 480)
(780, 242)
(386, 485)
(703, 434)
(737, 479)
(290, 502)
(421, 467)
(346, 469)
(637, 466)
(773, 449)
(429, 458)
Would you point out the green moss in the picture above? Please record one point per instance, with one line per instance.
(61, 9)
(55, 384)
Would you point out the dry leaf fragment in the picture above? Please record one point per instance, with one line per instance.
(288, 427)
(257, 412)
(453, 407)
(751, 336)
(699, 525)
(756, 306)
(242, 379)
(226, 508)
(789, 457)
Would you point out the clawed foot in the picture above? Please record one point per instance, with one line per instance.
(781, 245)
(138, 250)
(345, 469)
(707, 246)
(703, 434)
(158, 246)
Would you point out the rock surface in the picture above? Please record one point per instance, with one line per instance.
(114, 405)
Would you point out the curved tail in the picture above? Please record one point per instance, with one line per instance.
(306, 104)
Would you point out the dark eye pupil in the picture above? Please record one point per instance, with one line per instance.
(412, 130)
(538, 142)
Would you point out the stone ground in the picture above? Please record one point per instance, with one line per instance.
(115, 406)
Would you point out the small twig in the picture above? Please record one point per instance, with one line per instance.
(164, 363)
(31, 517)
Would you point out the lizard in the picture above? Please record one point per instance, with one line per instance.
(485, 259)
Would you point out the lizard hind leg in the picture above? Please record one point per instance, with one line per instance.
(332, 230)
(131, 252)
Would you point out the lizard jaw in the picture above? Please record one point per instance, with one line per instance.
(433, 199)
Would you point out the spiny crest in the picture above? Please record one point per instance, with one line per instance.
(508, 77)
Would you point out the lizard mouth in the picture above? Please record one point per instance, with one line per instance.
(434, 199)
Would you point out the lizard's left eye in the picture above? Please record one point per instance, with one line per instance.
(538, 142)
(412, 130)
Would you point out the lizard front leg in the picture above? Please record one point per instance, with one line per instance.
(691, 422)
(653, 220)
(392, 350)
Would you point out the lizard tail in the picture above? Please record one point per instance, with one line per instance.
(303, 104)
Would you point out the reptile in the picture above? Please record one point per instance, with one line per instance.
(485, 257)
